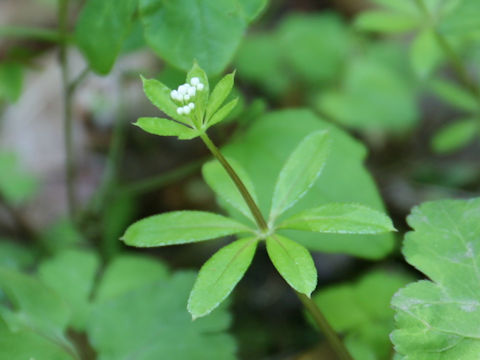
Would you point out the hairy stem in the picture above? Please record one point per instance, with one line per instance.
(308, 303)
(262, 224)
(325, 327)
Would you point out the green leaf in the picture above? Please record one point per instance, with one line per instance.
(369, 319)
(440, 318)
(454, 95)
(219, 94)
(71, 274)
(16, 185)
(61, 235)
(218, 179)
(313, 45)
(150, 322)
(390, 105)
(401, 6)
(293, 262)
(159, 95)
(180, 227)
(462, 18)
(425, 54)
(36, 308)
(457, 135)
(219, 275)
(184, 30)
(129, 272)
(385, 21)
(22, 344)
(11, 81)
(223, 112)
(300, 172)
(101, 28)
(253, 8)
(166, 127)
(340, 219)
(263, 149)
(15, 256)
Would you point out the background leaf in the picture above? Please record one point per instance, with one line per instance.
(16, 185)
(151, 322)
(456, 135)
(369, 318)
(184, 30)
(11, 81)
(445, 310)
(101, 28)
(71, 274)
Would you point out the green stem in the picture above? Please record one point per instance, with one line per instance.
(32, 33)
(257, 214)
(325, 327)
(67, 108)
(308, 303)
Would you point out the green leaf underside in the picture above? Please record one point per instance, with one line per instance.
(101, 28)
(219, 94)
(223, 112)
(165, 127)
(369, 319)
(219, 275)
(293, 262)
(300, 171)
(341, 219)
(72, 274)
(218, 179)
(180, 227)
(159, 95)
(440, 319)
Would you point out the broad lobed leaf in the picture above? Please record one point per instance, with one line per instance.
(219, 275)
(440, 319)
(180, 227)
(340, 219)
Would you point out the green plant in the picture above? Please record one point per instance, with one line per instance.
(193, 110)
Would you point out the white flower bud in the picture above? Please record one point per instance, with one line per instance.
(186, 97)
(191, 91)
(199, 86)
(194, 81)
(186, 109)
(174, 94)
(180, 110)
(182, 89)
(191, 106)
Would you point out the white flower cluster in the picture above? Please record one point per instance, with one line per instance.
(185, 93)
